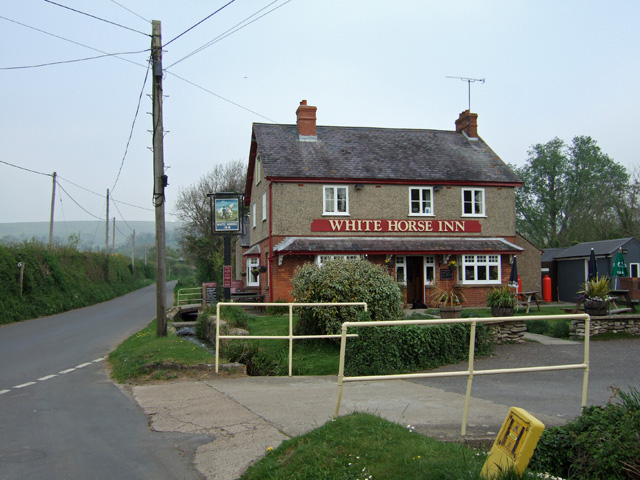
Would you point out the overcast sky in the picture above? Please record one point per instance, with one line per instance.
(552, 68)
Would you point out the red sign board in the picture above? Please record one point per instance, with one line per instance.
(227, 276)
(396, 226)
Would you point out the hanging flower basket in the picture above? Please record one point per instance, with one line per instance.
(258, 270)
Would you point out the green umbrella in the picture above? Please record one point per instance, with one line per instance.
(619, 267)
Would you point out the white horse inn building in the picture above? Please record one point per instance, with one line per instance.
(434, 207)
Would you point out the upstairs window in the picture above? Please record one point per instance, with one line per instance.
(253, 215)
(420, 201)
(336, 200)
(258, 169)
(473, 202)
(264, 206)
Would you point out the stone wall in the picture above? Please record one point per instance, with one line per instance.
(608, 324)
(509, 332)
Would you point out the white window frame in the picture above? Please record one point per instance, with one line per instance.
(429, 262)
(258, 169)
(334, 189)
(632, 267)
(253, 215)
(321, 259)
(478, 263)
(401, 264)
(252, 280)
(264, 206)
(423, 210)
(478, 209)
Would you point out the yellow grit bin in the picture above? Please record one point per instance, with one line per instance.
(514, 444)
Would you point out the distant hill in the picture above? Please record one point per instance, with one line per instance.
(91, 234)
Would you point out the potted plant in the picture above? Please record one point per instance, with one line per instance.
(595, 295)
(449, 299)
(502, 301)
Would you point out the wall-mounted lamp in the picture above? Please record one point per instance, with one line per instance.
(359, 186)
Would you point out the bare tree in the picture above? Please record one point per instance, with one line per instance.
(194, 213)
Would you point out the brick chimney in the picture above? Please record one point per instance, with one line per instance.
(306, 120)
(468, 123)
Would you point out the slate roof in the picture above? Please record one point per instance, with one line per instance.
(379, 154)
(421, 245)
(600, 248)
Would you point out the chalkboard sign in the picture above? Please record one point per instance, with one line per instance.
(446, 274)
(210, 292)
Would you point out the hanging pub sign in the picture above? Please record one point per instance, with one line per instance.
(226, 217)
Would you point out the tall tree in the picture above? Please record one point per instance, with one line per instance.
(194, 213)
(571, 193)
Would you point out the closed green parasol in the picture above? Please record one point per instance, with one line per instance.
(619, 266)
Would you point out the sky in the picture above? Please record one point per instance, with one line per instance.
(551, 69)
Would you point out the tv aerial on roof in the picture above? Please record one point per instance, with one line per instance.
(469, 80)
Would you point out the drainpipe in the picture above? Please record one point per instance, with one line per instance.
(270, 257)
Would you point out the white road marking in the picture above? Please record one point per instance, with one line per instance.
(25, 385)
(48, 377)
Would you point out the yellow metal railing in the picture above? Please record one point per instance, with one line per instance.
(470, 372)
(291, 337)
(188, 296)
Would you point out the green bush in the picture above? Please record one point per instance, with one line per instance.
(390, 350)
(60, 278)
(602, 443)
(344, 281)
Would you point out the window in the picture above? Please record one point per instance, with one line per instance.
(401, 269)
(253, 215)
(429, 270)
(473, 202)
(253, 279)
(322, 259)
(481, 268)
(258, 169)
(336, 200)
(420, 201)
(634, 270)
(264, 206)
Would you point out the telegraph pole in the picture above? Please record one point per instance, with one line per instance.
(113, 236)
(159, 179)
(133, 253)
(53, 203)
(106, 240)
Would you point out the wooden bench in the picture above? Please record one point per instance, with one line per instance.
(613, 311)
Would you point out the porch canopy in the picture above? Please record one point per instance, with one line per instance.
(395, 245)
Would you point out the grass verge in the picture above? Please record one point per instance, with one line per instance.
(365, 446)
(146, 356)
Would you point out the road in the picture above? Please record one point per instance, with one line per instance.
(61, 417)
(558, 393)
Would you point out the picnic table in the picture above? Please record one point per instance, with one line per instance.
(622, 294)
(525, 299)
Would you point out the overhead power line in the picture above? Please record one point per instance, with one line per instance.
(131, 11)
(70, 41)
(72, 61)
(97, 18)
(201, 21)
(26, 169)
(133, 124)
(232, 30)
(74, 201)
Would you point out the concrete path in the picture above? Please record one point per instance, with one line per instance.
(244, 417)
